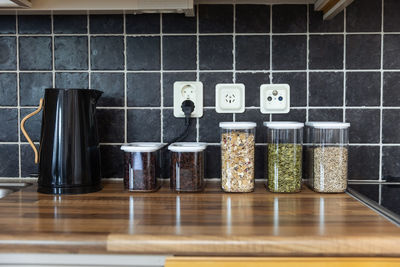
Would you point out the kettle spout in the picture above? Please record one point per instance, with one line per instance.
(96, 94)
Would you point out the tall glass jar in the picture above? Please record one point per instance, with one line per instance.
(237, 156)
(284, 156)
(187, 167)
(329, 156)
(141, 168)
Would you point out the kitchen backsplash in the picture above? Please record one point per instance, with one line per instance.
(346, 69)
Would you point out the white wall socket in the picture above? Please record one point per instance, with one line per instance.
(274, 98)
(229, 98)
(188, 91)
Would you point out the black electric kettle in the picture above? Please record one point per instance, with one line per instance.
(69, 155)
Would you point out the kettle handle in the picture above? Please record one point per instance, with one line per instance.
(26, 134)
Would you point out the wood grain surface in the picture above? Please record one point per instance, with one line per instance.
(197, 224)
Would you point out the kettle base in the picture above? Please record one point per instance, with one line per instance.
(69, 190)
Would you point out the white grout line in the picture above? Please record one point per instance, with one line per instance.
(270, 52)
(197, 65)
(161, 81)
(344, 63)
(18, 102)
(125, 83)
(308, 66)
(234, 53)
(381, 103)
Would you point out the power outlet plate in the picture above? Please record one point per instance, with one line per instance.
(188, 91)
(230, 98)
(274, 98)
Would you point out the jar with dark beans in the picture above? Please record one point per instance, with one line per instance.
(187, 167)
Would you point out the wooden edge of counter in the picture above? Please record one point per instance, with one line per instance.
(371, 245)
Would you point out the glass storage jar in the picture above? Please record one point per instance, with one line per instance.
(329, 156)
(141, 168)
(187, 166)
(307, 154)
(237, 156)
(284, 156)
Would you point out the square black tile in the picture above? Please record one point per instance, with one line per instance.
(169, 78)
(9, 125)
(289, 18)
(112, 84)
(209, 125)
(32, 125)
(390, 122)
(174, 127)
(179, 52)
(252, 82)
(391, 50)
(8, 53)
(71, 53)
(369, 190)
(8, 89)
(111, 124)
(144, 125)
(325, 114)
(391, 94)
(392, 19)
(363, 88)
(143, 89)
(364, 126)
(289, 52)
(254, 56)
(32, 87)
(106, 24)
(318, 24)
(178, 23)
(7, 24)
(213, 162)
(66, 24)
(363, 162)
(112, 162)
(35, 53)
(298, 86)
(28, 166)
(72, 80)
(143, 24)
(363, 51)
(259, 164)
(293, 115)
(210, 80)
(252, 18)
(256, 116)
(143, 53)
(107, 53)
(9, 161)
(216, 18)
(326, 52)
(215, 52)
(364, 16)
(34, 24)
(390, 161)
(326, 89)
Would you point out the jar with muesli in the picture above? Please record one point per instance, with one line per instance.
(141, 166)
(284, 156)
(237, 156)
(329, 156)
(187, 166)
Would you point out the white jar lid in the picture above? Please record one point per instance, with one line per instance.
(238, 125)
(187, 147)
(328, 124)
(141, 147)
(283, 124)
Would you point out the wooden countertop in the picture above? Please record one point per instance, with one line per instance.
(209, 223)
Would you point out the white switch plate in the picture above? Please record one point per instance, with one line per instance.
(188, 91)
(229, 98)
(274, 98)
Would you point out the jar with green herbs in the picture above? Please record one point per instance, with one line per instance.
(284, 156)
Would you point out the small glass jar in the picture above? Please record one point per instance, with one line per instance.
(187, 167)
(237, 156)
(329, 156)
(141, 166)
(284, 156)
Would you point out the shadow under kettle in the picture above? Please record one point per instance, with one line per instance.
(69, 154)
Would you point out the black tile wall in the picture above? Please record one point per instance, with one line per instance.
(333, 76)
